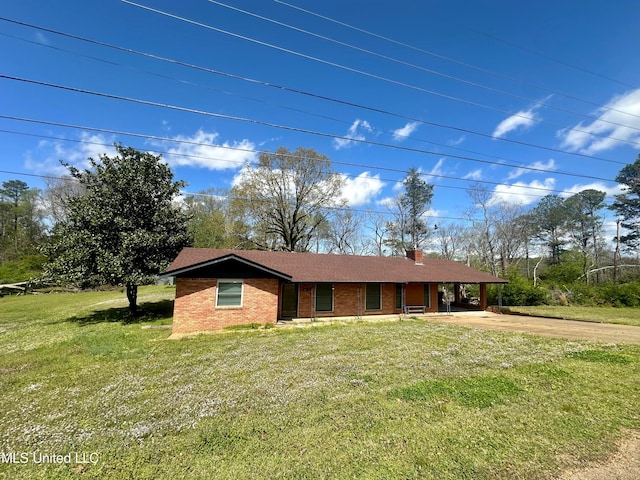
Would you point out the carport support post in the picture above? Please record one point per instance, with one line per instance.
(483, 296)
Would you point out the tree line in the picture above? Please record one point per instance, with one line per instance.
(123, 219)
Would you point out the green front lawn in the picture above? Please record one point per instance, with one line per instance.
(624, 316)
(365, 400)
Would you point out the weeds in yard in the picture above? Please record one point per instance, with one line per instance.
(369, 400)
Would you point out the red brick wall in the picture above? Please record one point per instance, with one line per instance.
(414, 295)
(345, 300)
(195, 305)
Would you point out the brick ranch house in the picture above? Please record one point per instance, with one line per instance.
(217, 288)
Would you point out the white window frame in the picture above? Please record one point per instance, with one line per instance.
(230, 280)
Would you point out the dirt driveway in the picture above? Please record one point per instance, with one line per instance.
(569, 329)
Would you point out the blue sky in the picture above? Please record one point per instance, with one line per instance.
(526, 99)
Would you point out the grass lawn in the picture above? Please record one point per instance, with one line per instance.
(363, 400)
(624, 316)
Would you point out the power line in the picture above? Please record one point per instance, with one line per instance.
(459, 62)
(236, 197)
(237, 163)
(317, 96)
(269, 124)
(545, 191)
(371, 75)
(545, 56)
(421, 68)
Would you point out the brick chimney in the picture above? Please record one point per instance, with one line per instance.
(415, 255)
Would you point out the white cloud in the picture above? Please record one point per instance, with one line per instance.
(618, 121)
(521, 120)
(457, 141)
(437, 169)
(42, 38)
(46, 159)
(549, 166)
(402, 133)
(361, 189)
(356, 131)
(202, 150)
(474, 175)
(521, 193)
(387, 202)
(610, 191)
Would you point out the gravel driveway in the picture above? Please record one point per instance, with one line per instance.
(569, 329)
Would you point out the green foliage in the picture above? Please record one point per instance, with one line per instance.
(627, 204)
(619, 295)
(21, 226)
(550, 216)
(519, 291)
(124, 229)
(414, 201)
(22, 269)
(564, 273)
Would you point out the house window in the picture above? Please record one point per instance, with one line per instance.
(427, 295)
(229, 293)
(324, 297)
(399, 295)
(373, 294)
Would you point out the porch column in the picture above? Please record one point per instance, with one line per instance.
(457, 293)
(483, 296)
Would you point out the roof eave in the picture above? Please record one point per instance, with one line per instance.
(232, 256)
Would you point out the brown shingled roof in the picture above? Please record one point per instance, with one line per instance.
(314, 267)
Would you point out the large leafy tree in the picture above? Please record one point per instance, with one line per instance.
(287, 196)
(627, 204)
(124, 229)
(213, 222)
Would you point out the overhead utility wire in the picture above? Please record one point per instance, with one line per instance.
(235, 197)
(313, 95)
(452, 147)
(537, 103)
(545, 191)
(457, 62)
(370, 75)
(231, 197)
(247, 150)
(258, 100)
(547, 57)
(259, 122)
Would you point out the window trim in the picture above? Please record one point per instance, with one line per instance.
(379, 307)
(234, 281)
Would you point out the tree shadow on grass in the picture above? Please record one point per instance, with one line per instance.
(147, 312)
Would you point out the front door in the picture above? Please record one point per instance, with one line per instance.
(289, 300)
